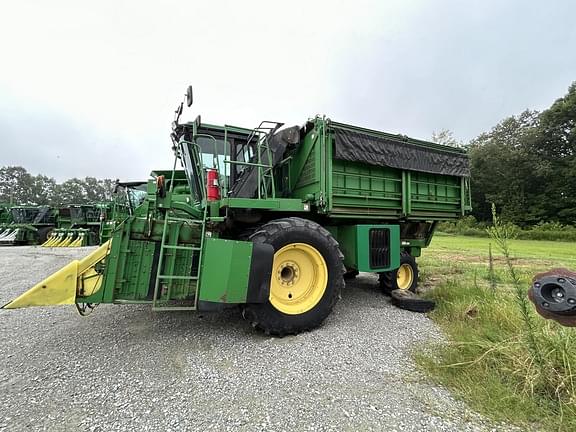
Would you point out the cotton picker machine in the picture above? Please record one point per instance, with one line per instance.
(78, 225)
(128, 196)
(27, 225)
(270, 219)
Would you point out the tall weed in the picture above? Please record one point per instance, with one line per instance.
(506, 361)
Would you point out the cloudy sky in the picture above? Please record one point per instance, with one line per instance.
(89, 88)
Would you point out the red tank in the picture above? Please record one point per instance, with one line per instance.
(212, 186)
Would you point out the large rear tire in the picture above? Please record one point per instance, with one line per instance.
(306, 277)
(404, 277)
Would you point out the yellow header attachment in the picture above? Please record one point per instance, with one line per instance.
(62, 287)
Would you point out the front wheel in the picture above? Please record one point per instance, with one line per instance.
(306, 277)
(404, 277)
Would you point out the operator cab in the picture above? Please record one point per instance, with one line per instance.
(230, 161)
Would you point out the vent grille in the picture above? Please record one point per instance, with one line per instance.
(379, 248)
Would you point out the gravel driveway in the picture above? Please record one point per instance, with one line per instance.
(126, 368)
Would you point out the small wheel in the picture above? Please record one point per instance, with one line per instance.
(306, 277)
(404, 277)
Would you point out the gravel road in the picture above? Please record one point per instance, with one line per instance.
(126, 368)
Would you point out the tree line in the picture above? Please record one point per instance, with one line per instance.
(525, 165)
(19, 187)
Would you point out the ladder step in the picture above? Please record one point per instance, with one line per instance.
(190, 248)
(178, 277)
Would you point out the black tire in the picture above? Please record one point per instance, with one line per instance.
(280, 233)
(43, 234)
(389, 280)
(405, 299)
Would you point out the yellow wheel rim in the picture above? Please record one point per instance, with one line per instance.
(404, 277)
(299, 278)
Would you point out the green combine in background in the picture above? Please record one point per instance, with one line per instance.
(127, 197)
(272, 219)
(27, 225)
(79, 225)
(5, 215)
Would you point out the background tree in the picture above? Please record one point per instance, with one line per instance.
(446, 137)
(502, 170)
(17, 186)
(526, 165)
(556, 147)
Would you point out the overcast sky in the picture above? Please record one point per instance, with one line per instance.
(89, 88)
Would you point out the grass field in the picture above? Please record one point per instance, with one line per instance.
(501, 357)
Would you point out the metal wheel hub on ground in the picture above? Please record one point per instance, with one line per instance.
(404, 276)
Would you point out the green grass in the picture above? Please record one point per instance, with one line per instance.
(489, 359)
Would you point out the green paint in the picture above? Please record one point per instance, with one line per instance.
(354, 241)
(225, 271)
(273, 204)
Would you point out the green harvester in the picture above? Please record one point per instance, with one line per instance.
(27, 225)
(79, 225)
(272, 219)
(127, 197)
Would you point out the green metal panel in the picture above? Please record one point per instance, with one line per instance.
(225, 271)
(354, 241)
(367, 189)
(137, 269)
(435, 193)
(362, 189)
(305, 168)
(346, 189)
(283, 204)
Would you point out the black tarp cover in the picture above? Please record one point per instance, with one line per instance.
(357, 146)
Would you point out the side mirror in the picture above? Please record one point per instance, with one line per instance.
(189, 96)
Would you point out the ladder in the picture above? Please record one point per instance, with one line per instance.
(176, 268)
(179, 264)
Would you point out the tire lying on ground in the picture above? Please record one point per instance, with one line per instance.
(405, 299)
(307, 277)
(351, 274)
(404, 277)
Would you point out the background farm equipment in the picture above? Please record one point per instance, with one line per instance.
(29, 225)
(79, 225)
(271, 219)
(5, 214)
(127, 197)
